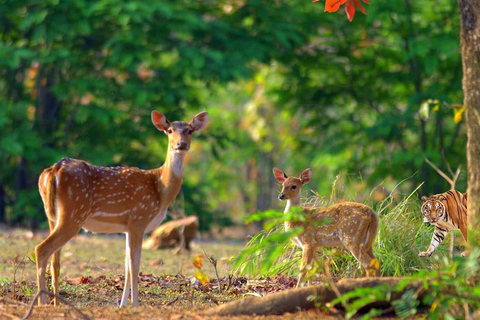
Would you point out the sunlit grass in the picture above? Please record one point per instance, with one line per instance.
(95, 255)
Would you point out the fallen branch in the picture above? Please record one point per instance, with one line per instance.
(299, 299)
(84, 316)
(173, 301)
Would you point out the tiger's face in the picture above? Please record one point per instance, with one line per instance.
(433, 209)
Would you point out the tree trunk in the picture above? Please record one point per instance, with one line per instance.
(294, 300)
(48, 107)
(2, 204)
(470, 50)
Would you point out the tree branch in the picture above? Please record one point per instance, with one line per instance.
(84, 316)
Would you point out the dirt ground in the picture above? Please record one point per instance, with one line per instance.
(92, 278)
(15, 310)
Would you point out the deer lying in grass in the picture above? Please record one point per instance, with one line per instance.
(173, 233)
(353, 225)
(127, 200)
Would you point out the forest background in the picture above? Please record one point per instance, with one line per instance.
(285, 85)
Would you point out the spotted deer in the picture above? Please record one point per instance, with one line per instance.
(77, 194)
(352, 225)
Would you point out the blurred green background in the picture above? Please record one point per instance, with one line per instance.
(286, 85)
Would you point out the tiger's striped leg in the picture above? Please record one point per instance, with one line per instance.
(437, 238)
(463, 229)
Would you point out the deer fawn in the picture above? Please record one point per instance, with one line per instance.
(352, 225)
(127, 200)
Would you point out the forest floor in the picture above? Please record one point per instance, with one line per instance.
(92, 274)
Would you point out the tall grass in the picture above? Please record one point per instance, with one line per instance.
(401, 236)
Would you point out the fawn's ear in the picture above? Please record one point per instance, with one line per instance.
(306, 175)
(424, 199)
(160, 121)
(279, 175)
(199, 121)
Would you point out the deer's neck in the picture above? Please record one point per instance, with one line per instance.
(292, 203)
(173, 166)
(170, 176)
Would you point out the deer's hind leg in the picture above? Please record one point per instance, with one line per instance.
(369, 251)
(362, 255)
(55, 267)
(52, 245)
(355, 244)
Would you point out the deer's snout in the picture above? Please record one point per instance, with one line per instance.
(281, 196)
(182, 145)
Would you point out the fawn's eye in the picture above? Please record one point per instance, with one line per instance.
(169, 130)
(190, 131)
(294, 187)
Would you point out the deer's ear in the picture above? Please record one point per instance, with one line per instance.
(279, 175)
(199, 121)
(160, 121)
(306, 175)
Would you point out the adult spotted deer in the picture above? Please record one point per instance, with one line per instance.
(127, 200)
(352, 225)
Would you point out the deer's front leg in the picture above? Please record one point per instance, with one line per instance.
(135, 248)
(126, 286)
(307, 257)
(437, 238)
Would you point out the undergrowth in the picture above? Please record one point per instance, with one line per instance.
(451, 285)
(401, 236)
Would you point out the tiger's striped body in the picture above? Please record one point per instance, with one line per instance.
(446, 211)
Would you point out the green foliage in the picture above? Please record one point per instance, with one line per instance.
(283, 88)
(451, 293)
(355, 300)
(264, 255)
(75, 71)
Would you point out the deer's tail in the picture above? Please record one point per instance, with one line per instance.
(48, 191)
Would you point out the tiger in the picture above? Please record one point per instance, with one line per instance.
(446, 211)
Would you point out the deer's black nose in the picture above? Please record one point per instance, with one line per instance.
(182, 145)
(281, 196)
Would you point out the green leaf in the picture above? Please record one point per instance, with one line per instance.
(10, 145)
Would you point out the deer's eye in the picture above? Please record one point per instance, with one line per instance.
(169, 131)
(294, 187)
(190, 131)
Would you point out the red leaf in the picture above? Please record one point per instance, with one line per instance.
(366, 1)
(333, 5)
(350, 10)
(358, 4)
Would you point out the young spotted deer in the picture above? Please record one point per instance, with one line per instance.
(127, 200)
(352, 225)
